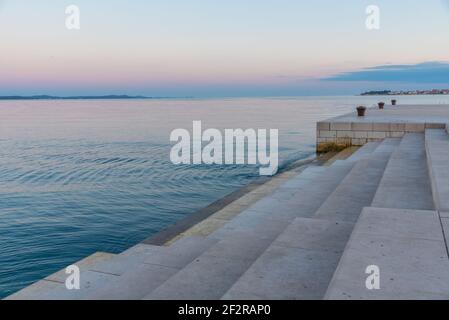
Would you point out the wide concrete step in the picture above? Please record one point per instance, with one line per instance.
(437, 148)
(51, 287)
(140, 273)
(403, 249)
(299, 264)
(128, 276)
(212, 273)
(358, 188)
(406, 183)
(176, 255)
(245, 238)
(436, 135)
(364, 151)
(271, 215)
(388, 145)
(288, 189)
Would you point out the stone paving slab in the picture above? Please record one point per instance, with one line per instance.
(342, 155)
(402, 223)
(358, 188)
(388, 145)
(284, 273)
(364, 151)
(129, 275)
(176, 255)
(314, 234)
(274, 214)
(181, 252)
(397, 241)
(406, 182)
(123, 262)
(36, 291)
(49, 290)
(205, 279)
(134, 273)
(207, 227)
(437, 157)
(263, 226)
(436, 134)
(210, 275)
(302, 179)
(298, 265)
(53, 286)
(83, 264)
(141, 249)
(132, 285)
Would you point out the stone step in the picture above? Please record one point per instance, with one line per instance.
(245, 238)
(342, 155)
(127, 276)
(406, 183)
(436, 134)
(271, 215)
(83, 265)
(407, 247)
(437, 149)
(358, 188)
(127, 259)
(301, 179)
(139, 276)
(388, 145)
(288, 189)
(177, 255)
(364, 151)
(53, 287)
(299, 264)
(209, 276)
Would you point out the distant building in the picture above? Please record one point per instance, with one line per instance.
(402, 93)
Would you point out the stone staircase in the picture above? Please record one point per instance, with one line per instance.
(312, 238)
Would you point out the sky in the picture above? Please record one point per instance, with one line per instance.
(200, 48)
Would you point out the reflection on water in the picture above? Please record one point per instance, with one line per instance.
(78, 177)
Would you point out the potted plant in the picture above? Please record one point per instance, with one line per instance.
(381, 105)
(393, 102)
(361, 111)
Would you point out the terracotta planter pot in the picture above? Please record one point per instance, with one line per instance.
(361, 111)
(381, 105)
(393, 102)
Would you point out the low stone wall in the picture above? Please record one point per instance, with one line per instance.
(334, 136)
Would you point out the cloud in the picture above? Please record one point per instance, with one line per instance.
(427, 72)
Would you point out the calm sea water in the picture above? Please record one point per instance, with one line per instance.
(78, 177)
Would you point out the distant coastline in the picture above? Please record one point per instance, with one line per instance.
(407, 93)
(106, 97)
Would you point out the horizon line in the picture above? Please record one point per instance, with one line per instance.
(85, 97)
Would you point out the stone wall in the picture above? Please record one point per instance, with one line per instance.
(338, 135)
